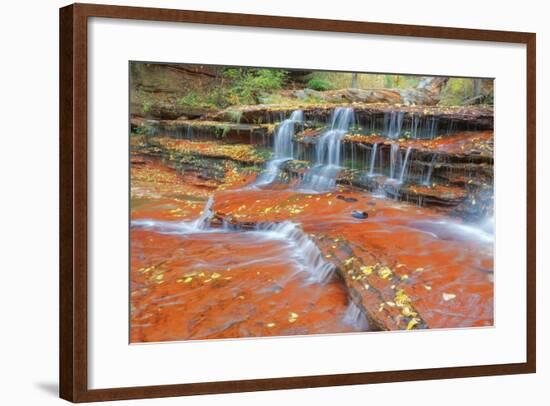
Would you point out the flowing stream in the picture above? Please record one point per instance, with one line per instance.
(402, 177)
(303, 251)
(242, 302)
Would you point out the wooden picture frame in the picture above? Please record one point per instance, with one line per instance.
(73, 197)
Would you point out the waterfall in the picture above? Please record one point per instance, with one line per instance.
(283, 149)
(199, 225)
(355, 317)
(284, 146)
(372, 159)
(415, 121)
(322, 176)
(433, 128)
(404, 165)
(329, 144)
(304, 251)
(394, 154)
(393, 122)
(203, 221)
(430, 170)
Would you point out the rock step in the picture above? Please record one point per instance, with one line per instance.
(229, 132)
(461, 117)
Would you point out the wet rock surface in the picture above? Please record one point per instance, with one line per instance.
(397, 223)
(399, 263)
(216, 284)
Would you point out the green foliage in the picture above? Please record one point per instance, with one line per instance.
(400, 81)
(234, 115)
(146, 106)
(318, 84)
(457, 91)
(343, 80)
(190, 99)
(221, 132)
(145, 129)
(214, 98)
(264, 154)
(236, 86)
(246, 85)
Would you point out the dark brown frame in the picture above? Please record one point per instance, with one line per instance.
(73, 361)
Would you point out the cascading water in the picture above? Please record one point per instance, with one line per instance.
(355, 317)
(323, 175)
(414, 126)
(394, 156)
(203, 222)
(283, 148)
(199, 225)
(393, 123)
(304, 251)
(402, 176)
(373, 159)
(428, 179)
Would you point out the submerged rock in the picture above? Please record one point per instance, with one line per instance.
(346, 199)
(359, 214)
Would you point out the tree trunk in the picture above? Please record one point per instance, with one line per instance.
(354, 80)
(477, 87)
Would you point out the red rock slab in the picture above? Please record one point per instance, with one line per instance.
(161, 193)
(463, 143)
(423, 265)
(225, 285)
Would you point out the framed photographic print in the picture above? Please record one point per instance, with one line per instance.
(255, 202)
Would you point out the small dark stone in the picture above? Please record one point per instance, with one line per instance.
(359, 214)
(346, 199)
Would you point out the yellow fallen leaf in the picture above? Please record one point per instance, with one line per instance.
(412, 322)
(349, 261)
(384, 272)
(427, 287)
(270, 325)
(367, 270)
(401, 298)
(187, 280)
(292, 317)
(407, 311)
(215, 275)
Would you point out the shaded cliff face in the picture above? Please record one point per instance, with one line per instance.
(309, 217)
